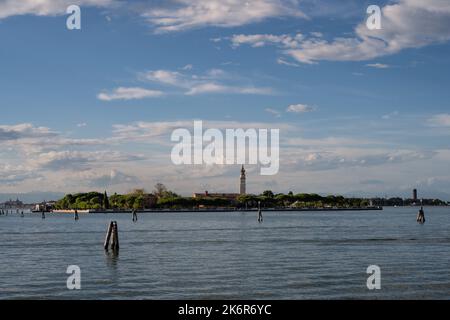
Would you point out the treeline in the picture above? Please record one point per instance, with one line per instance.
(301, 200)
(137, 199)
(382, 202)
(82, 201)
(161, 198)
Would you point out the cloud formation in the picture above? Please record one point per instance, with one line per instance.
(23, 131)
(183, 15)
(405, 24)
(129, 94)
(10, 8)
(299, 108)
(80, 160)
(378, 65)
(107, 163)
(12, 175)
(114, 178)
(213, 81)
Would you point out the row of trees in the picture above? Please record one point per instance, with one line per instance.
(137, 199)
(310, 200)
(161, 197)
(407, 202)
(82, 201)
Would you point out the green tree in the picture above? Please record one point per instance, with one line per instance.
(105, 201)
(268, 194)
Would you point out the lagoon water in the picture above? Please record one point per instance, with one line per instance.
(303, 255)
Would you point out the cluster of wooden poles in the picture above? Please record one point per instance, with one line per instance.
(5, 212)
(112, 233)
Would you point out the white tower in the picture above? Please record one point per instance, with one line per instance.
(242, 186)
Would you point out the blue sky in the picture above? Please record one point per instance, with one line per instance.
(360, 112)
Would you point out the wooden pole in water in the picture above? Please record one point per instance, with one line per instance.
(108, 235)
(260, 217)
(421, 216)
(112, 237)
(115, 237)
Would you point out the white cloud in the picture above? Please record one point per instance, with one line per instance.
(405, 24)
(276, 113)
(79, 160)
(115, 177)
(129, 94)
(30, 140)
(188, 67)
(12, 175)
(24, 131)
(378, 65)
(316, 34)
(173, 78)
(151, 131)
(331, 159)
(212, 81)
(440, 120)
(206, 88)
(188, 14)
(45, 7)
(261, 40)
(300, 108)
(287, 63)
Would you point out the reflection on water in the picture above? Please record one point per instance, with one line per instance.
(309, 255)
(112, 257)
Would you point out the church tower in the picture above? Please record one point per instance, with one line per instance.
(242, 186)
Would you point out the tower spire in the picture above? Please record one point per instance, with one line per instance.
(242, 189)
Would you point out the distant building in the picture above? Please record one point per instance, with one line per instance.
(13, 204)
(242, 188)
(229, 196)
(44, 206)
(206, 194)
(415, 195)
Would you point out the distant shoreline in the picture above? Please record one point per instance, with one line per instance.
(219, 210)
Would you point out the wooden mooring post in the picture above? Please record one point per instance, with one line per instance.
(421, 216)
(112, 237)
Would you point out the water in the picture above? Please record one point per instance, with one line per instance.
(312, 255)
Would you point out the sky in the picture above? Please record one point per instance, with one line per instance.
(361, 112)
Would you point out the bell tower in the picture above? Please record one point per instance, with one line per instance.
(243, 178)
